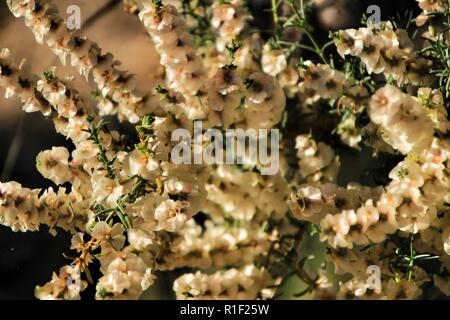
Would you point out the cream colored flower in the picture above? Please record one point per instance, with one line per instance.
(108, 235)
(170, 215)
(273, 61)
(125, 278)
(260, 88)
(54, 164)
(308, 204)
(106, 190)
(350, 42)
(66, 285)
(142, 164)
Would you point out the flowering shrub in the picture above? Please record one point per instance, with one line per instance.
(235, 232)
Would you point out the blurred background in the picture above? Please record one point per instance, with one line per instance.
(28, 259)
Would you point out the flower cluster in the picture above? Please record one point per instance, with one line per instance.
(230, 231)
(246, 283)
(65, 285)
(229, 20)
(117, 88)
(321, 81)
(184, 70)
(105, 181)
(317, 161)
(219, 245)
(384, 50)
(429, 7)
(358, 216)
(404, 122)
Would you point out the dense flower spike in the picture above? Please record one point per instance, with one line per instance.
(115, 86)
(229, 20)
(403, 121)
(185, 72)
(17, 80)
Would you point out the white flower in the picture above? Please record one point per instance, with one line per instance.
(106, 190)
(349, 42)
(222, 92)
(387, 223)
(125, 278)
(265, 101)
(371, 53)
(246, 282)
(222, 12)
(336, 228)
(108, 235)
(66, 285)
(170, 215)
(273, 61)
(385, 104)
(260, 88)
(60, 95)
(20, 207)
(189, 285)
(308, 203)
(313, 157)
(432, 5)
(21, 7)
(54, 164)
(139, 239)
(76, 128)
(413, 216)
(142, 164)
(85, 155)
(396, 63)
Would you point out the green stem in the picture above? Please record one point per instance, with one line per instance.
(301, 17)
(315, 44)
